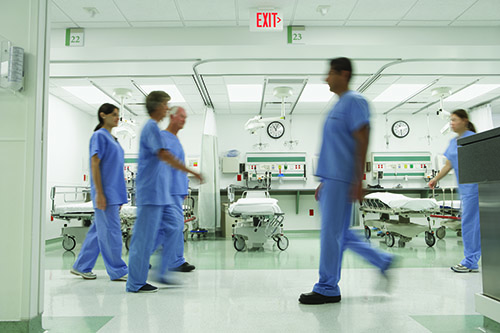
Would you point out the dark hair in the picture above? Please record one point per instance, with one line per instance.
(106, 108)
(462, 114)
(155, 99)
(341, 64)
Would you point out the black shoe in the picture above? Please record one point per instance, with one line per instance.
(185, 267)
(147, 288)
(315, 298)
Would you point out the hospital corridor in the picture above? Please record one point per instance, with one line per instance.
(250, 166)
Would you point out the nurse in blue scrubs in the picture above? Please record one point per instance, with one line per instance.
(108, 193)
(171, 235)
(469, 195)
(340, 168)
(152, 191)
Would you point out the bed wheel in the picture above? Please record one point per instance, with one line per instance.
(459, 233)
(127, 242)
(441, 232)
(282, 243)
(68, 242)
(368, 232)
(401, 243)
(239, 243)
(430, 240)
(389, 239)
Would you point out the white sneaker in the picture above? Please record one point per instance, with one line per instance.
(462, 269)
(123, 278)
(86, 276)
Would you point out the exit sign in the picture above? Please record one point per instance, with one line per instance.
(266, 20)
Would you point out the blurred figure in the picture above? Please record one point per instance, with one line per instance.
(108, 192)
(152, 187)
(340, 167)
(469, 195)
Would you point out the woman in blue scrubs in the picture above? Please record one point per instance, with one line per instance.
(469, 195)
(108, 193)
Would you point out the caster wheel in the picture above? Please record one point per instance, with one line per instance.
(282, 243)
(368, 232)
(68, 243)
(239, 244)
(430, 240)
(441, 232)
(389, 239)
(401, 244)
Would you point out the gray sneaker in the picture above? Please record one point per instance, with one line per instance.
(123, 278)
(462, 269)
(86, 276)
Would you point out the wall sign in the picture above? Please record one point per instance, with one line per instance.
(75, 37)
(296, 34)
(266, 20)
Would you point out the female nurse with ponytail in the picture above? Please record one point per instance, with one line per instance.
(469, 195)
(108, 193)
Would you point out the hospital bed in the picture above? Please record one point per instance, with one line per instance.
(450, 217)
(395, 213)
(70, 203)
(259, 219)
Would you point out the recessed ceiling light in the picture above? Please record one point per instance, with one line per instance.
(316, 93)
(398, 92)
(472, 92)
(170, 89)
(244, 92)
(89, 94)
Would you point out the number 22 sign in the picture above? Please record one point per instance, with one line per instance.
(74, 37)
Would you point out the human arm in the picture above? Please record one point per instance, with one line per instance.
(361, 137)
(444, 171)
(165, 156)
(100, 199)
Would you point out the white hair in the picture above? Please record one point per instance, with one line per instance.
(174, 109)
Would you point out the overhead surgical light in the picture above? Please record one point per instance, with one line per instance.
(126, 126)
(442, 92)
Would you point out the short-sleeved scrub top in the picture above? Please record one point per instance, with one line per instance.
(451, 154)
(337, 155)
(178, 179)
(111, 157)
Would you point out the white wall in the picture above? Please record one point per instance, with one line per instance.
(69, 131)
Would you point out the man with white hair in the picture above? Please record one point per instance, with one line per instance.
(171, 235)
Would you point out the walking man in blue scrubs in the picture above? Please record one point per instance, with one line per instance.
(171, 235)
(152, 191)
(340, 168)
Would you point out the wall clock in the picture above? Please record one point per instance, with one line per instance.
(400, 129)
(275, 129)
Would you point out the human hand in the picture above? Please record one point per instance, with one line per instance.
(357, 192)
(432, 183)
(100, 201)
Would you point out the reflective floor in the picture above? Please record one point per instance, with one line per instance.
(257, 291)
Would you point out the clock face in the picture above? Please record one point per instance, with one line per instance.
(400, 129)
(275, 130)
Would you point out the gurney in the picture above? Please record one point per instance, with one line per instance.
(395, 213)
(449, 216)
(259, 218)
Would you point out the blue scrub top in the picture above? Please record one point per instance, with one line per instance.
(337, 156)
(451, 154)
(178, 179)
(152, 177)
(111, 157)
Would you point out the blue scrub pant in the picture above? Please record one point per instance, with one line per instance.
(471, 235)
(336, 208)
(104, 236)
(141, 245)
(170, 235)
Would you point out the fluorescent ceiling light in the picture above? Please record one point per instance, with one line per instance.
(472, 92)
(398, 92)
(316, 93)
(170, 89)
(244, 92)
(89, 94)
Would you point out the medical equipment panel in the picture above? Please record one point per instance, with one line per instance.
(401, 164)
(193, 163)
(286, 166)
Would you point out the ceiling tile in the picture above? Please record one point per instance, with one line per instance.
(339, 10)
(149, 10)
(147, 24)
(108, 12)
(207, 10)
(62, 25)
(57, 15)
(483, 10)
(378, 10)
(369, 23)
(442, 10)
(423, 23)
(319, 23)
(285, 6)
(214, 23)
(115, 24)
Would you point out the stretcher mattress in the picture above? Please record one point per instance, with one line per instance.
(128, 211)
(85, 207)
(255, 206)
(402, 202)
(450, 204)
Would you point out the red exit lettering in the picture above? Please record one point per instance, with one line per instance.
(267, 20)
